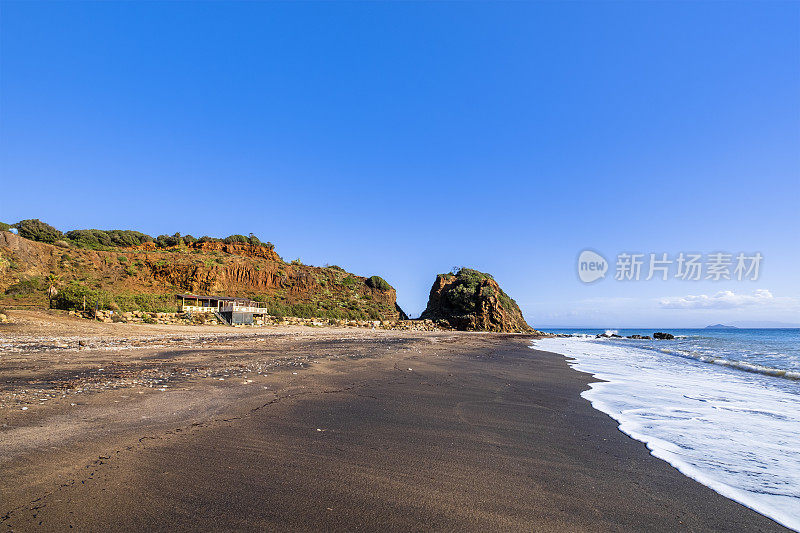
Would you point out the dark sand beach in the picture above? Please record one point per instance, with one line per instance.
(341, 430)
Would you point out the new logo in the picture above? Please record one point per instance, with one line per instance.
(591, 266)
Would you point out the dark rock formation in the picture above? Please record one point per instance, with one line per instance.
(473, 301)
(661, 336)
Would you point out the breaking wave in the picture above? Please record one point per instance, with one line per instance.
(735, 432)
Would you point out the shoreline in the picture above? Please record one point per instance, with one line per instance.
(352, 430)
(671, 409)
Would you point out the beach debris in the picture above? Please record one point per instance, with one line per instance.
(24, 408)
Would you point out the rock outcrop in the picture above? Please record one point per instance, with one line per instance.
(473, 301)
(241, 249)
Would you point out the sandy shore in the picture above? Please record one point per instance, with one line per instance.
(164, 428)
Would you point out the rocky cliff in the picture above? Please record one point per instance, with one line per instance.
(473, 301)
(147, 276)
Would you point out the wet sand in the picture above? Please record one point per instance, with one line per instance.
(341, 430)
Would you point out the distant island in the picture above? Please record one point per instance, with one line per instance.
(720, 326)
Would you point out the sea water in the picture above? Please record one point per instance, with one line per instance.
(721, 406)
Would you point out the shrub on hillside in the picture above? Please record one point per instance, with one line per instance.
(328, 310)
(166, 241)
(72, 297)
(25, 287)
(377, 282)
(89, 238)
(36, 230)
(127, 238)
(98, 239)
(230, 239)
(152, 303)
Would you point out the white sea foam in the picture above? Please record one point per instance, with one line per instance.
(735, 432)
(741, 365)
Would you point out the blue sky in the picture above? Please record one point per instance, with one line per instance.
(407, 138)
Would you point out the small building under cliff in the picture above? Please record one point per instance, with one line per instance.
(231, 309)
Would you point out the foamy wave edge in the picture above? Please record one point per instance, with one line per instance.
(659, 448)
(730, 363)
(739, 365)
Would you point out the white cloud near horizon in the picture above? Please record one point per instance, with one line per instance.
(724, 300)
(696, 310)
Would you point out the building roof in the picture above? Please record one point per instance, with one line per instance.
(220, 298)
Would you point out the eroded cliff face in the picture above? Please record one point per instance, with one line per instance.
(237, 248)
(238, 269)
(473, 301)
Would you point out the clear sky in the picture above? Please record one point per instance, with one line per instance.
(404, 139)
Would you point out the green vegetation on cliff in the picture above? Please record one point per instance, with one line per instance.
(75, 294)
(36, 230)
(97, 239)
(110, 270)
(377, 282)
(468, 288)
